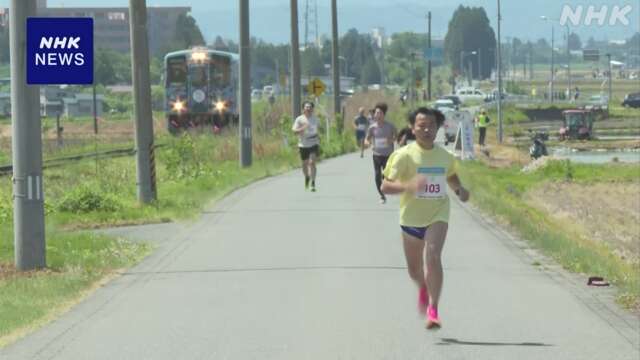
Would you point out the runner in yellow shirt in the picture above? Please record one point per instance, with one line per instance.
(421, 173)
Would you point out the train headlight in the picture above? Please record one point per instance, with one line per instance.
(178, 106)
(221, 106)
(198, 56)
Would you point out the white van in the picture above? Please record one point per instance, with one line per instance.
(268, 91)
(466, 94)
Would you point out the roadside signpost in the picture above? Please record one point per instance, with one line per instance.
(464, 136)
(316, 87)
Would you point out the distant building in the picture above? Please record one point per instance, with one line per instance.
(60, 100)
(111, 25)
(81, 105)
(379, 37)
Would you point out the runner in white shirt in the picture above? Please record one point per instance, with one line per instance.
(306, 127)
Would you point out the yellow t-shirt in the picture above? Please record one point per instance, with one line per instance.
(431, 204)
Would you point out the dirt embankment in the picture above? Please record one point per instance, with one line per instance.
(605, 212)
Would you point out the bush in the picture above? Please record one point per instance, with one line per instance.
(189, 156)
(513, 88)
(85, 199)
(6, 210)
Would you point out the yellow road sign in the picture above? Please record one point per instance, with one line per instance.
(316, 87)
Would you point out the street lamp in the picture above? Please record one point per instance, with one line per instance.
(344, 60)
(544, 18)
(569, 85)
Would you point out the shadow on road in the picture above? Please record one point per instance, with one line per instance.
(296, 268)
(447, 341)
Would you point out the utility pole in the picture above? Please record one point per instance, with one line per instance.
(295, 62)
(429, 61)
(530, 61)
(480, 64)
(95, 110)
(568, 64)
(334, 59)
(553, 75)
(278, 75)
(58, 130)
(145, 157)
(610, 79)
(306, 24)
(412, 81)
(315, 14)
(245, 86)
(28, 194)
(499, 62)
(382, 70)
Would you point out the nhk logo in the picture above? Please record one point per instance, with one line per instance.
(64, 59)
(60, 51)
(587, 15)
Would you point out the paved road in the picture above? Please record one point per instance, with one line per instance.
(273, 272)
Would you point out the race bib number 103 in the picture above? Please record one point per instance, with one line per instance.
(434, 185)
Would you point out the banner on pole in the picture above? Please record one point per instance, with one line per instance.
(464, 136)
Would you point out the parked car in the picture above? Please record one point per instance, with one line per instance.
(597, 102)
(268, 90)
(444, 105)
(494, 95)
(456, 100)
(256, 94)
(632, 100)
(466, 94)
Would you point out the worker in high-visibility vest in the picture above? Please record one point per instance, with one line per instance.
(482, 121)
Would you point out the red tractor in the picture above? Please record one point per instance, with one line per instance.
(577, 124)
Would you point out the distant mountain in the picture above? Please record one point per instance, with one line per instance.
(270, 18)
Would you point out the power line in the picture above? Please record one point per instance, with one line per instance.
(413, 12)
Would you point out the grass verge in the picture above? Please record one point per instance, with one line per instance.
(76, 264)
(501, 193)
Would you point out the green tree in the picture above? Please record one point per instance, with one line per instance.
(370, 72)
(188, 33)
(574, 42)
(406, 43)
(105, 67)
(112, 67)
(220, 44)
(469, 30)
(357, 49)
(311, 62)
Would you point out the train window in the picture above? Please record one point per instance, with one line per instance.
(177, 71)
(220, 71)
(199, 76)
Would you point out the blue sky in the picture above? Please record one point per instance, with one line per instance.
(270, 18)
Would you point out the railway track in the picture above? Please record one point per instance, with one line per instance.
(62, 161)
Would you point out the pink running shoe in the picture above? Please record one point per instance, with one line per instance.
(433, 321)
(423, 300)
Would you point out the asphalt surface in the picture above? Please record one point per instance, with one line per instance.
(274, 272)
